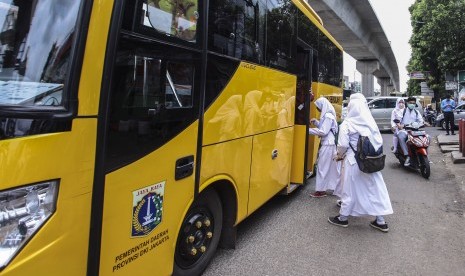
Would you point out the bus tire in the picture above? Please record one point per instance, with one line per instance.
(199, 235)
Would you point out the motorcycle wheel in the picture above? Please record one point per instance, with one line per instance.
(424, 166)
(432, 120)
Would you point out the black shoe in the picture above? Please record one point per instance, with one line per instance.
(447, 134)
(339, 203)
(335, 220)
(380, 227)
(453, 133)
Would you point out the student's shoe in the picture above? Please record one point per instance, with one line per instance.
(447, 134)
(407, 161)
(381, 227)
(318, 194)
(453, 133)
(336, 221)
(339, 203)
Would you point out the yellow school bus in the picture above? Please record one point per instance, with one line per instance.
(136, 135)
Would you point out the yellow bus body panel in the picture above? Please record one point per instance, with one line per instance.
(92, 67)
(60, 246)
(252, 117)
(232, 161)
(155, 251)
(264, 95)
(298, 155)
(269, 175)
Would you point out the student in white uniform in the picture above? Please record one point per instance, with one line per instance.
(363, 194)
(410, 116)
(328, 170)
(397, 114)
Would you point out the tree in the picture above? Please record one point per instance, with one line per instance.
(438, 41)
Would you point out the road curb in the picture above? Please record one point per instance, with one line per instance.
(457, 157)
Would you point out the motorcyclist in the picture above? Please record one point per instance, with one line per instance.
(429, 108)
(410, 116)
(429, 114)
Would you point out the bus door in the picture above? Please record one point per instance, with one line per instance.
(151, 137)
(302, 112)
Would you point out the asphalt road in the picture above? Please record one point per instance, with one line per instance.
(290, 235)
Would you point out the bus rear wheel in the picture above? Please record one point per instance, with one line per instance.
(199, 235)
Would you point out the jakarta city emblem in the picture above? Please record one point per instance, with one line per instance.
(147, 209)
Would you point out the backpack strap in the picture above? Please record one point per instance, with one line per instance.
(405, 110)
(352, 148)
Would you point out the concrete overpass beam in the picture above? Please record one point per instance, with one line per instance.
(368, 69)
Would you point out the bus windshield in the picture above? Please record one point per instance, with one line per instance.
(36, 41)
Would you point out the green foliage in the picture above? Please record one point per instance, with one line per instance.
(438, 40)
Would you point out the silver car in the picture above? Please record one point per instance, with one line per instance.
(459, 113)
(381, 108)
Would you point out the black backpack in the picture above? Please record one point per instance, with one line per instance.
(368, 159)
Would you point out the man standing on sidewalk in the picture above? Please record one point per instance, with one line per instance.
(448, 106)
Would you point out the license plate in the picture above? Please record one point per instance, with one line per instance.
(418, 133)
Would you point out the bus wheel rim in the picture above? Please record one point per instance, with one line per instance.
(196, 236)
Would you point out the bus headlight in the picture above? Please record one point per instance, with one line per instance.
(22, 212)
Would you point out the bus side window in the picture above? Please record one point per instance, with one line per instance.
(179, 80)
(236, 29)
(172, 17)
(151, 102)
(280, 34)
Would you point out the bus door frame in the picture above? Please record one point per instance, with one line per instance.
(98, 192)
(309, 53)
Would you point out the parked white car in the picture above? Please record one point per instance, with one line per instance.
(382, 107)
(459, 113)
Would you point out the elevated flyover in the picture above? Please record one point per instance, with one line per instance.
(354, 24)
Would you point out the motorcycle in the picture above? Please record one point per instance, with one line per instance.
(417, 142)
(430, 116)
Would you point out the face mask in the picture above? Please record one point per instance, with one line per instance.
(401, 105)
(411, 106)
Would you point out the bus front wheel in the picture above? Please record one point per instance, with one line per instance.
(199, 235)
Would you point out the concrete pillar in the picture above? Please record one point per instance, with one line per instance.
(390, 88)
(384, 83)
(367, 69)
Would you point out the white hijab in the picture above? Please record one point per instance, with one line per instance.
(360, 120)
(399, 111)
(326, 108)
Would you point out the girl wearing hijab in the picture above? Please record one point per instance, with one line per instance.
(362, 193)
(328, 170)
(397, 114)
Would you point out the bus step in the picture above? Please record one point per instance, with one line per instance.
(308, 174)
(290, 189)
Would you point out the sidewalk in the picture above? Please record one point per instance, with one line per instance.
(450, 143)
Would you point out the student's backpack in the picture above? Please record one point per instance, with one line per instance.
(368, 159)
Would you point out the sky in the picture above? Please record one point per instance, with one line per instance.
(395, 20)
